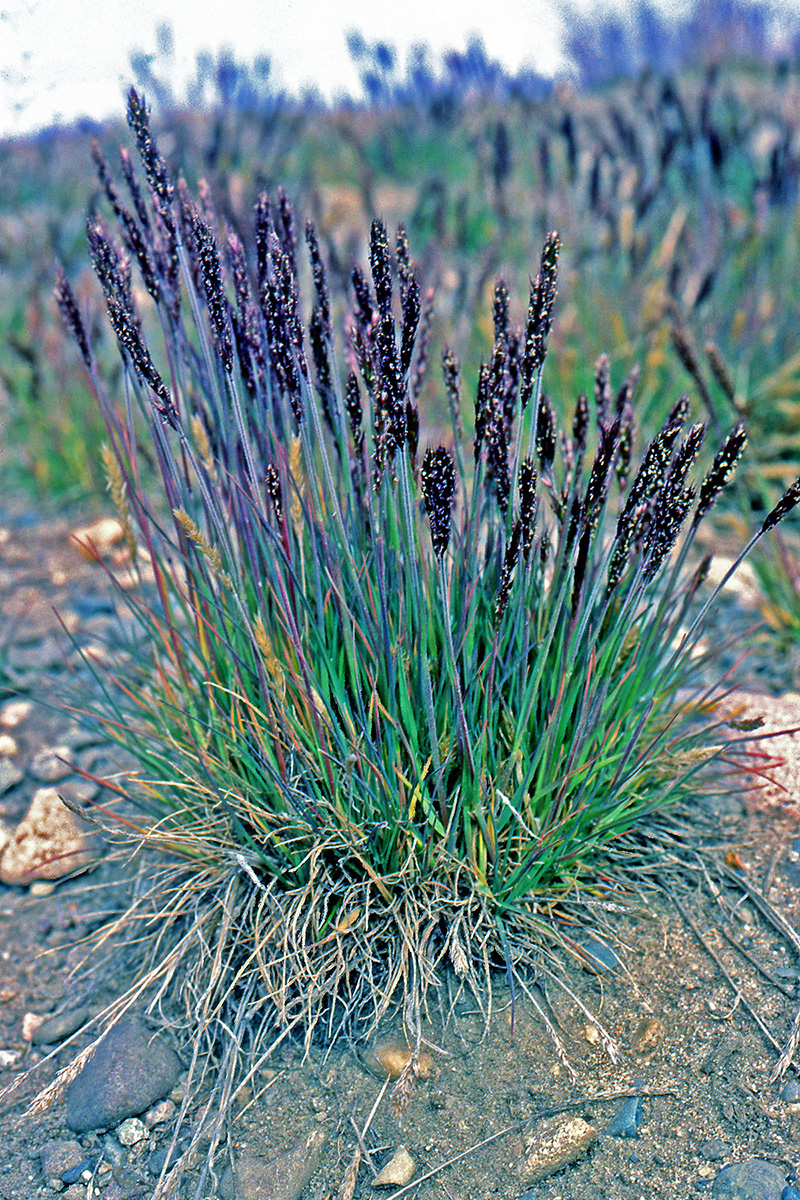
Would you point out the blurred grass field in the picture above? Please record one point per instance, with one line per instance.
(675, 194)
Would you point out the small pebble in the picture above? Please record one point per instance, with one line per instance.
(55, 1029)
(14, 713)
(77, 1173)
(10, 775)
(791, 1091)
(160, 1114)
(552, 1145)
(49, 765)
(626, 1120)
(41, 887)
(131, 1132)
(387, 1060)
(8, 747)
(398, 1171)
(601, 957)
(713, 1149)
(790, 1193)
(648, 1037)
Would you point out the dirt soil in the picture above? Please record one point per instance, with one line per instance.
(701, 1024)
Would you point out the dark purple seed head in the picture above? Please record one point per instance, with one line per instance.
(320, 281)
(787, 502)
(154, 166)
(452, 383)
(68, 305)
(438, 483)
(545, 434)
(411, 315)
(722, 469)
(500, 311)
(381, 267)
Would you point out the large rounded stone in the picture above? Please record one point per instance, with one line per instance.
(753, 1179)
(130, 1070)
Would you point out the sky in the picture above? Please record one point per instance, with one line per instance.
(67, 58)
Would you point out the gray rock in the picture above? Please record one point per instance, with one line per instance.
(601, 957)
(81, 1171)
(752, 1179)
(626, 1120)
(791, 1091)
(55, 1029)
(10, 775)
(130, 1070)
(78, 791)
(554, 1144)
(713, 1149)
(283, 1178)
(58, 1157)
(38, 656)
(48, 766)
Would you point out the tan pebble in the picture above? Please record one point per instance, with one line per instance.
(14, 713)
(160, 1113)
(553, 1144)
(30, 1023)
(101, 536)
(49, 842)
(388, 1059)
(42, 887)
(8, 747)
(591, 1034)
(649, 1036)
(398, 1171)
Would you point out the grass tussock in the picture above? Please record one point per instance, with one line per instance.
(397, 696)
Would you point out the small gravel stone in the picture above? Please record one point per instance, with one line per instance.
(282, 1178)
(388, 1059)
(38, 656)
(601, 957)
(48, 766)
(14, 713)
(753, 1179)
(42, 887)
(554, 1144)
(156, 1160)
(55, 1029)
(791, 1091)
(78, 791)
(398, 1171)
(59, 1157)
(76, 1173)
(160, 1114)
(10, 775)
(713, 1149)
(648, 1037)
(8, 747)
(131, 1132)
(626, 1120)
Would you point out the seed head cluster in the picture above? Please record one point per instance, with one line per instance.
(438, 482)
